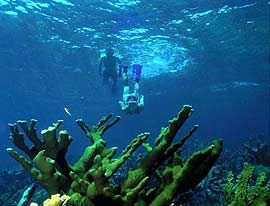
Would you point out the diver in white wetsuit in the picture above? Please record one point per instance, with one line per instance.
(132, 102)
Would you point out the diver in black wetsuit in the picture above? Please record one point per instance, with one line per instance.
(108, 68)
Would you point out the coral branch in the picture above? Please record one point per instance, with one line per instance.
(174, 147)
(31, 132)
(154, 159)
(47, 175)
(90, 182)
(111, 167)
(18, 139)
(179, 179)
(23, 161)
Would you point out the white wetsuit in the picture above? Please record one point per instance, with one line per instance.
(132, 102)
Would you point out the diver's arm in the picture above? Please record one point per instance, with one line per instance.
(100, 65)
(141, 101)
(123, 105)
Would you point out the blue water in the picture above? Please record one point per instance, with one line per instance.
(213, 55)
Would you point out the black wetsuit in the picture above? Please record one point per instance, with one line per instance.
(109, 65)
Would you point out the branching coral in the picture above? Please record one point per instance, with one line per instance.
(243, 193)
(88, 183)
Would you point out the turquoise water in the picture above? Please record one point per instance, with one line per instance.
(213, 55)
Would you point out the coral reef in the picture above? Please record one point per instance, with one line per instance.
(55, 200)
(243, 192)
(211, 188)
(88, 183)
(257, 151)
(12, 185)
(27, 194)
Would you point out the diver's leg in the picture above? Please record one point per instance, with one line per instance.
(114, 83)
(123, 102)
(136, 89)
(126, 93)
(105, 77)
(125, 79)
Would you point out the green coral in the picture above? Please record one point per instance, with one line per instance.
(241, 192)
(228, 188)
(88, 181)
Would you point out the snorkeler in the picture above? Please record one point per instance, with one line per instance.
(132, 102)
(108, 68)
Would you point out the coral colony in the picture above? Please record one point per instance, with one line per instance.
(159, 177)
